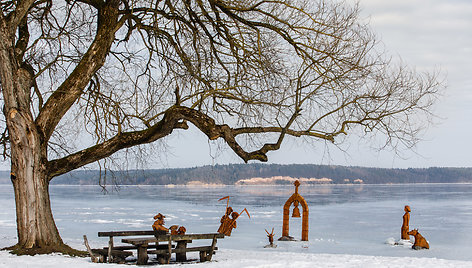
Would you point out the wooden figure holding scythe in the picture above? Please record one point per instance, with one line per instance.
(227, 223)
(225, 218)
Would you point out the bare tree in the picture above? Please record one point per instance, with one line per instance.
(248, 72)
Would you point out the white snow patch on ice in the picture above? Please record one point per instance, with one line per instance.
(99, 221)
(6, 223)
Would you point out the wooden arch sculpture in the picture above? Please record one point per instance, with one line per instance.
(296, 198)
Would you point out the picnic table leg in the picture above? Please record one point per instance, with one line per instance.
(94, 257)
(203, 256)
(183, 255)
(169, 250)
(213, 244)
(110, 247)
(206, 255)
(161, 258)
(142, 254)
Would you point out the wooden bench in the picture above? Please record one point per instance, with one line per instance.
(106, 255)
(206, 252)
(117, 254)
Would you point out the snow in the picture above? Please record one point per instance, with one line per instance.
(243, 258)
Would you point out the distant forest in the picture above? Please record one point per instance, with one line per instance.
(231, 174)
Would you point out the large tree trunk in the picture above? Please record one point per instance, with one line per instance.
(37, 232)
(35, 223)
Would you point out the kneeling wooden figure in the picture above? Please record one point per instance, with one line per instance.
(420, 241)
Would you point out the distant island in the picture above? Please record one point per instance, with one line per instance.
(265, 174)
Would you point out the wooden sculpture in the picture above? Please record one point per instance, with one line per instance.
(173, 229)
(406, 222)
(232, 222)
(228, 224)
(225, 220)
(296, 199)
(271, 239)
(420, 241)
(181, 230)
(158, 225)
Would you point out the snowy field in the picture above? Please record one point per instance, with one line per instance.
(350, 225)
(242, 258)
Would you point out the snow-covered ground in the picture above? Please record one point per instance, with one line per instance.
(350, 226)
(243, 258)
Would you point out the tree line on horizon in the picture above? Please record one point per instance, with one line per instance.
(231, 173)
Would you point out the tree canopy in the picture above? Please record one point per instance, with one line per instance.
(232, 68)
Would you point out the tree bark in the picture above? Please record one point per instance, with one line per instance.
(37, 231)
(36, 227)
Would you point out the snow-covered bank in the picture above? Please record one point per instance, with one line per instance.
(243, 258)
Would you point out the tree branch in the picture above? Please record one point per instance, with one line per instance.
(16, 16)
(208, 126)
(170, 121)
(71, 89)
(174, 118)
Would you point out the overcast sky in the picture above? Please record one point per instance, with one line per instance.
(426, 34)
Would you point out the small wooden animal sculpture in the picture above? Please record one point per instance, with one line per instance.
(173, 229)
(271, 238)
(158, 225)
(181, 230)
(406, 222)
(420, 241)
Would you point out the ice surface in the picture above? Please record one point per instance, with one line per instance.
(350, 225)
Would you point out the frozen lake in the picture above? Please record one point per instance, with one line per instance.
(344, 219)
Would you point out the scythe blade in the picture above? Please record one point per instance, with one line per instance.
(227, 200)
(247, 212)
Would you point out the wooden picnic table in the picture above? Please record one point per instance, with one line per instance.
(206, 252)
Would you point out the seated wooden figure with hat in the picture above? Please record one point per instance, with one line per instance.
(158, 225)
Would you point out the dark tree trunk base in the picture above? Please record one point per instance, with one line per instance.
(64, 249)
